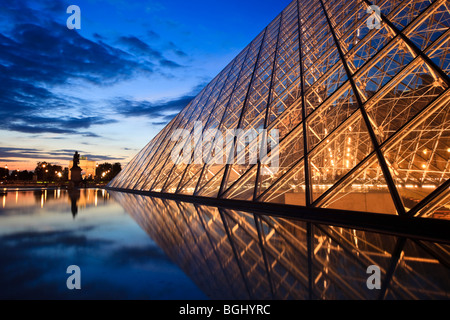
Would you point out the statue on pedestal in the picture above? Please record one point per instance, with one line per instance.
(76, 159)
(75, 170)
(74, 183)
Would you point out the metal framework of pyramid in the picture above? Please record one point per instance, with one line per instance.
(362, 113)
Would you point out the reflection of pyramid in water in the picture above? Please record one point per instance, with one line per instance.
(231, 254)
(362, 114)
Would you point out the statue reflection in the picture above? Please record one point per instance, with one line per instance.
(74, 195)
(231, 254)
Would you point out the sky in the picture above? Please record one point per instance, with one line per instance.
(106, 89)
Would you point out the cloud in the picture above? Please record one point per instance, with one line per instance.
(98, 36)
(126, 255)
(52, 54)
(180, 53)
(39, 124)
(40, 56)
(37, 129)
(48, 251)
(162, 123)
(37, 57)
(21, 111)
(169, 64)
(160, 109)
(138, 46)
(32, 239)
(159, 112)
(176, 50)
(9, 153)
(33, 60)
(153, 35)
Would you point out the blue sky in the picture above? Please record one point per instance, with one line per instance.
(107, 89)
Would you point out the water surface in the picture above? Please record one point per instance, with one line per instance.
(42, 232)
(132, 246)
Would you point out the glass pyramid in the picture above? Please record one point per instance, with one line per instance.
(349, 100)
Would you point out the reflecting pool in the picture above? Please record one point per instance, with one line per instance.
(42, 232)
(131, 246)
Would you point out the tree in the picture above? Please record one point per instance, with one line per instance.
(25, 175)
(116, 168)
(107, 171)
(4, 173)
(65, 174)
(39, 171)
(47, 172)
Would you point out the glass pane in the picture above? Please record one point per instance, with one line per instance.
(335, 248)
(407, 11)
(243, 189)
(390, 61)
(280, 158)
(209, 184)
(414, 260)
(363, 190)
(323, 88)
(286, 256)
(338, 154)
(433, 23)
(438, 208)
(419, 156)
(439, 52)
(190, 180)
(289, 189)
(244, 238)
(330, 115)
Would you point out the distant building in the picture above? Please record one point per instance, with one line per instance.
(88, 167)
